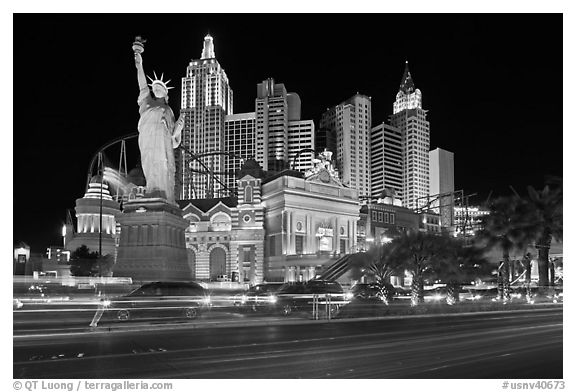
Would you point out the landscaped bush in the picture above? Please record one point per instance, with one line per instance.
(376, 308)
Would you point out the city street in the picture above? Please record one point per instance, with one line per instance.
(514, 344)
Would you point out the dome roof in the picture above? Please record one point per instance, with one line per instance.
(251, 164)
(251, 167)
(97, 179)
(136, 176)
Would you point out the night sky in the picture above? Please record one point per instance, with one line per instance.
(492, 85)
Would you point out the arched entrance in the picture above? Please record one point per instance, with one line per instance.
(217, 263)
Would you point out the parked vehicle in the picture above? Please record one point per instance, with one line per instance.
(437, 294)
(298, 296)
(365, 291)
(402, 293)
(16, 304)
(44, 293)
(158, 300)
(259, 297)
(471, 295)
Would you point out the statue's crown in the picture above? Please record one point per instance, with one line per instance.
(159, 81)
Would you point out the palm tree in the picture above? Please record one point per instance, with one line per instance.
(418, 252)
(460, 263)
(505, 227)
(378, 263)
(544, 224)
(382, 267)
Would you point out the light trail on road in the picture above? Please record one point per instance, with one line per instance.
(459, 346)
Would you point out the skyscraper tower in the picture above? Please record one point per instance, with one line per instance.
(442, 182)
(351, 121)
(271, 123)
(410, 118)
(386, 152)
(280, 133)
(206, 100)
(239, 140)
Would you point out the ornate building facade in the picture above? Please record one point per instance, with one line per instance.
(88, 210)
(310, 221)
(225, 237)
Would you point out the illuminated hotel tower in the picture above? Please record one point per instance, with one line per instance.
(280, 133)
(410, 118)
(206, 100)
(301, 137)
(386, 161)
(351, 121)
(239, 140)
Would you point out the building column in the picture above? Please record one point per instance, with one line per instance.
(259, 260)
(288, 232)
(283, 230)
(310, 237)
(354, 225)
(292, 234)
(233, 259)
(335, 236)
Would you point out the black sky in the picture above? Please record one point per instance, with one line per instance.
(492, 85)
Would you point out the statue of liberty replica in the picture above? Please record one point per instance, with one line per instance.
(158, 135)
(152, 244)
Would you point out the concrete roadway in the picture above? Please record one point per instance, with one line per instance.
(513, 344)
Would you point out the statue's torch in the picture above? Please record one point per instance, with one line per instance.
(138, 45)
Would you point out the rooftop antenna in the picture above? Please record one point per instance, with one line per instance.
(488, 198)
(514, 190)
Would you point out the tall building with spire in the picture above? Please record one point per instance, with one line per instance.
(206, 100)
(409, 117)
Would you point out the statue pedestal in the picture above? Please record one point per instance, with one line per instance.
(152, 243)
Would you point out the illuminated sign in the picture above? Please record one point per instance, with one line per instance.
(325, 232)
(325, 244)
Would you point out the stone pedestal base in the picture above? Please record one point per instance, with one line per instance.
(152, 243)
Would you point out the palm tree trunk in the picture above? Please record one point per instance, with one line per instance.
(507, 280)
(504, 277)
(453, 293)
(543, 251)
(417, 293)
(527, 264)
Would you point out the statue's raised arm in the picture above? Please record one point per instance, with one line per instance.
(138, 48)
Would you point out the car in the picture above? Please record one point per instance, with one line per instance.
(159, 300)
(45, 293)
(365, 291)
(402, 293)
(16, 304)
(259, 297)
(299, 296)
(470, 295)
(479, 294)
(437, 294)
